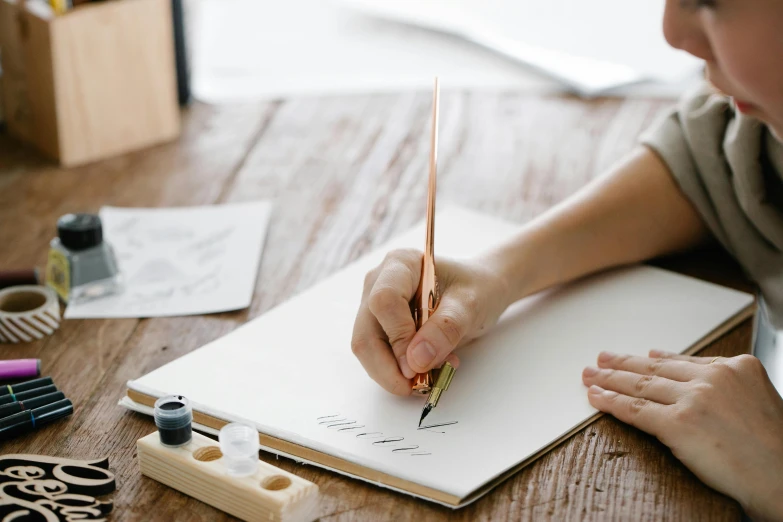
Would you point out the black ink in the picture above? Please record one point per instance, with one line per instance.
(174, 418)
(388, 440)
(340, 424)
(406, 448)
(351, 428)
(436, 426)
(330, 421)
(366, 434)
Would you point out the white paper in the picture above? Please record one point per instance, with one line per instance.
(517, 390)
(181, 261)
(590, 46)
(265, 49)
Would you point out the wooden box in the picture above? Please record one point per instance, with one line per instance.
(92, 83)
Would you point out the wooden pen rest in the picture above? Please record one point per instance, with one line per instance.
(197, 469)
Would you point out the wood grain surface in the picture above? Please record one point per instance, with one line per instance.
(346, 174)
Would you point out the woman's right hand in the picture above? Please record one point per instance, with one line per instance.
(385, 340)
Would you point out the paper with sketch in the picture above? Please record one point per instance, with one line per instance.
(292, 374)
(181, 261)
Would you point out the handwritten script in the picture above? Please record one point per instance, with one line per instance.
(395, 443)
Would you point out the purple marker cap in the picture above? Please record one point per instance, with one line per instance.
(19, 368)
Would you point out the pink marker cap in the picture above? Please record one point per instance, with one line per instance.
(19, 368)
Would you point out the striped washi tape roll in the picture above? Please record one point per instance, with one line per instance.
(28, 313)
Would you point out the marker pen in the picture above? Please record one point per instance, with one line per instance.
(19, 369)
(25, 395)
(10, 389)
(33, 419)
(7, 410)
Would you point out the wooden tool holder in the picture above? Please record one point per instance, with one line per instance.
(197, 469)
(92, 83)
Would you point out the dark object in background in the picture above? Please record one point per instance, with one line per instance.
(10, 278)
(180, 53)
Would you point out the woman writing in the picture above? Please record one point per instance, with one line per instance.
(711, 171)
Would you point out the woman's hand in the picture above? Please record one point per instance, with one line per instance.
(472, 297)
(721, 417)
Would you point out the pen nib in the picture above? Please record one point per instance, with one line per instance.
(424, 412)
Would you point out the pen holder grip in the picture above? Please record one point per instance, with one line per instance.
(198, 469)
(97, 81)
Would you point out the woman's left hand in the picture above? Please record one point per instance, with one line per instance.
(721, 417)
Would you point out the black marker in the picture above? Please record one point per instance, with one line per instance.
(33, 419)
(7, 410)
(12, 389)
(27, 395)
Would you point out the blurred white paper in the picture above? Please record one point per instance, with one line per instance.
(262, 49)
(591, 47)
(181, 261)
(265, 49)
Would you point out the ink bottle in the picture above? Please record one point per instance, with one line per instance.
(81, 264)
(173, 417)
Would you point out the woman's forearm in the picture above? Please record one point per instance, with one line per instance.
(635, 212)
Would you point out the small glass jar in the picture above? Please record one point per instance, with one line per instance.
(81, 266)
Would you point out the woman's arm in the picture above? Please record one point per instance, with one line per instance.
(633, 213)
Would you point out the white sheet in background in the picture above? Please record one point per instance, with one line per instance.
(267, 49)
(620, 41)
(181, 261)
(291, 372)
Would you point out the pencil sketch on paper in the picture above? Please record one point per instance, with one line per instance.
(397, 444)
(182, 261)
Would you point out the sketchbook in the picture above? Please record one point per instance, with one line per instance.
(517, 394)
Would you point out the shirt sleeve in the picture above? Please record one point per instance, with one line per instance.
(689, 140)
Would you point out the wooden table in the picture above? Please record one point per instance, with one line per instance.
(346, 174)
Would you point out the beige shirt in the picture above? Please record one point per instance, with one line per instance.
(731, 167)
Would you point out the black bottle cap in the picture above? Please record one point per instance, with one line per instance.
(80, 231)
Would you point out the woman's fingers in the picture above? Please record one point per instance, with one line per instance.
(657, 389)
(441, 334)
(657, 354)
(389, 301)
(646, 415)
(675, 370)
(371, 348)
